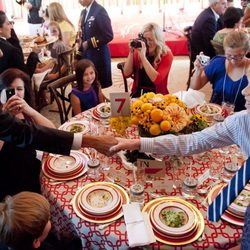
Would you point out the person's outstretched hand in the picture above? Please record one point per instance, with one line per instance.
(101, 143)
(125, 144)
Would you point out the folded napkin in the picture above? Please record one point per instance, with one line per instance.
(38, 78)
(191, 98)
(138, 227)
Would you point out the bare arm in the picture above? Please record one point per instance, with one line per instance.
(76, 104)
(18, 105)
(199, 79)
(128, 67)
(101, 96)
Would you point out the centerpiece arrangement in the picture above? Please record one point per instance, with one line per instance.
(158, 114)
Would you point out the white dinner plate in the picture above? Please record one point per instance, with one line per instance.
(99, 199)
(76, 127)
(65, 163)
(175, 207)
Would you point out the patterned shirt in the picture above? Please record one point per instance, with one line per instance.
(234, 130)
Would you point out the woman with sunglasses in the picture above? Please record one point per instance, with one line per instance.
(227, 74)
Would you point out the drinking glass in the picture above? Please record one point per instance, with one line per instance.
(93, 169)
(189, 183)
(227, 109)
(178, 171)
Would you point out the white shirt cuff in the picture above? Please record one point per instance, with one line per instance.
(77, 142)
(146, 145)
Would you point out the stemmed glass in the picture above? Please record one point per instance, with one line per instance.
(189, 183)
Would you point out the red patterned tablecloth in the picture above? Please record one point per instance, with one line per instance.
(220, 235)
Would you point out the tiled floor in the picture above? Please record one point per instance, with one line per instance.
(177, 81)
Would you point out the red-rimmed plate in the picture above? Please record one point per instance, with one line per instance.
(99, 199)
(178, 240)
(64, 176)
(209, 110)
(232, 219)
(103, 108)
(76, 127)
(166, 216)
(64, 163)
(105, 218)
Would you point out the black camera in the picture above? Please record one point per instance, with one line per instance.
(136, 43)
(9, 93)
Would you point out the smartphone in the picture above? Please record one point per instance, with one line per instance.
(204, 60)
(9, 93)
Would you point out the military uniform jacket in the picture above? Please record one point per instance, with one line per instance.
(97, 31)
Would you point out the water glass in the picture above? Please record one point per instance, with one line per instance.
(230, 170)
(104, 119)
(93, 169)
(136, 192)
(178, 171)
(227, 109)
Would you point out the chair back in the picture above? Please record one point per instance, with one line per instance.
(57, 89)
(65, 62)
(187, 33)
(218, 47)
(120, 66)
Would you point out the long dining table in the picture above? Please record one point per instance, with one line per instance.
(216, 235)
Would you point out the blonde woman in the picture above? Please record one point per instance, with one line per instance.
(227, 74)
(57, 14)
(149, 62)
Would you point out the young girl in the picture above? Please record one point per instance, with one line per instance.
(88, 92)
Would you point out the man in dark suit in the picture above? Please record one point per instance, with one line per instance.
(46, 139)
(96, 32)
(205, 27)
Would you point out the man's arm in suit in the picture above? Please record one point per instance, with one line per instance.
(42, 138)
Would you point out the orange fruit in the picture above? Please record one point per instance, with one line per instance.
(155, 129)
(156, 115)
(165, 125)
(146, 106)
(134, 120)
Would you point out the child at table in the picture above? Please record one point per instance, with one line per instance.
(25, 224)
(88, 92)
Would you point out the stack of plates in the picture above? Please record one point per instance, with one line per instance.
(101, 108)
(76, 127)
(100, 202)
(64, 168)
(174, 221)
(235, 213)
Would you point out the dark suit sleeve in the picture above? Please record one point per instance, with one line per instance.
(105, 31)
(208, 31)
(22, 135)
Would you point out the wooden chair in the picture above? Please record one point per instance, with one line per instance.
(65, 67)
(120, 66)
(187, 33)
(218, 47)
(58, 91)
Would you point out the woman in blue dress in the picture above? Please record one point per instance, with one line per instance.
(88, 92)
(227, 74)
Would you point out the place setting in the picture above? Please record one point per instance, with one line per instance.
(174, 221)
(235, 213)
(78, 126)
(64, 168)
(102, 111)
(100, 202)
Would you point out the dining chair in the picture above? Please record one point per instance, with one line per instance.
(59, 90)
(120, 66)
(64, 68)
(187, 33)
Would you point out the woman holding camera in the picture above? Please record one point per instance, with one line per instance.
(227, 74)
(149, 61)
(20, 168)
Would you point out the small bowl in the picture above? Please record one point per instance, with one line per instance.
(209, 110)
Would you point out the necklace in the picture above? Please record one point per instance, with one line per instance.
(224, 83)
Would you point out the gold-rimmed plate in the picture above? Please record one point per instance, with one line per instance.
(178, 241)
(105, 218)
